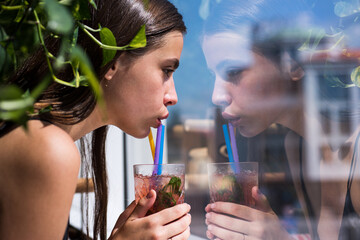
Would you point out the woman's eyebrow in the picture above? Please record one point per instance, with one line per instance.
(173, 62)
(232, 63)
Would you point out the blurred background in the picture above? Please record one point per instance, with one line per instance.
(193, 130)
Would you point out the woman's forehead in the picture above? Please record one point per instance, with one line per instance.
(223, 48)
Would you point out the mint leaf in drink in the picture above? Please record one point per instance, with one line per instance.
(166, 196)
(174, 185)
(230, 190)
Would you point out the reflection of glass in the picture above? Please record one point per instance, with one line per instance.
(233, 182)
(169, 184)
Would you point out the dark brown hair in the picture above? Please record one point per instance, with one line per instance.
(72, 105)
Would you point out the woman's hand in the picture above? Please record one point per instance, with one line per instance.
(171, 223)
(233, 221)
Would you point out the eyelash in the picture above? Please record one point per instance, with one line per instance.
(233, 73)
(168, 72)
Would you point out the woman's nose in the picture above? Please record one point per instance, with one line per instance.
(220, 94)
(170, 97)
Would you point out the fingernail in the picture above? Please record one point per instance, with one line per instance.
(208, 235)
(149, 195)
(207, 215)
(212, 205)
(210, 227)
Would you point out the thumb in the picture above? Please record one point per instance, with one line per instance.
(261, 201)
(143, 205)
(123, 217)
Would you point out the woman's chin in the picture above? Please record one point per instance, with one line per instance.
(248, 133)
(140, 133)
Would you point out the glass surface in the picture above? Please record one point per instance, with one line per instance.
(168, 181)
(314, 48)
(233, 182)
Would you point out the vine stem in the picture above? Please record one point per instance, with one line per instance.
(104, 46)
(47, 54)
(12, 8)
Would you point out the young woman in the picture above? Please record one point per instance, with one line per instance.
(264, 55)
(39, 167)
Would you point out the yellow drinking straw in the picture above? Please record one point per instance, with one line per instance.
(152, 145)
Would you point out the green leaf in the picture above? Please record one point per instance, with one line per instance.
(60, 20)
(355, 76)
(3, 35)
(335, 82)
(318, 36)
(3, 58)
(306, 45)
(93, 3)
(20, 14)
(78, 56)
(344, 9)
(16, 116)
(140, 39)
(80, 10)
(8, 92)
(107, 38)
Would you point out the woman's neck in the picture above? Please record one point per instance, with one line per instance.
(294, 118)
(95, 120)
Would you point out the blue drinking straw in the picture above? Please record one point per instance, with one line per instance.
(161, 149)
(234, 147)
(157, 148)
(228, 146)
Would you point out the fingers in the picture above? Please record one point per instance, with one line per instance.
(233, 209)
(143, 206)
(171, 214)
(261, 201)
(222, 233)
(208, 208)
(183, 235)
(239, 211)
(179, 229)
(230, 223)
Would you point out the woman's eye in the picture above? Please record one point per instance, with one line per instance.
(168, 71)
(233, 74)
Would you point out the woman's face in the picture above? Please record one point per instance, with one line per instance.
(248, 87)
(138, 93)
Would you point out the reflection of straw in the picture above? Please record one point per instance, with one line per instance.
(152, 145)
(228, 144)
(228, 147)
(157, 148)
(234, 147)
(161, 149)
(233, 143)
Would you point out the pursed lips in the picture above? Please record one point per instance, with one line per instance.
(158, 121)
(235, 120)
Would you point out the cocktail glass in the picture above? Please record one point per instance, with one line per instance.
(168, 180)
(233, 182)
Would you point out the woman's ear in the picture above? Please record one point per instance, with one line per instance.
(296, 72)
(292, 67)
(112, 71)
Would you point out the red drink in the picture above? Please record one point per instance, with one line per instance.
(227, 186)
(169, 189)
(233, 188)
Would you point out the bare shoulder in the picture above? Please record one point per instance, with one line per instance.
(291, 143)
(38, 174)
(45, 146)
